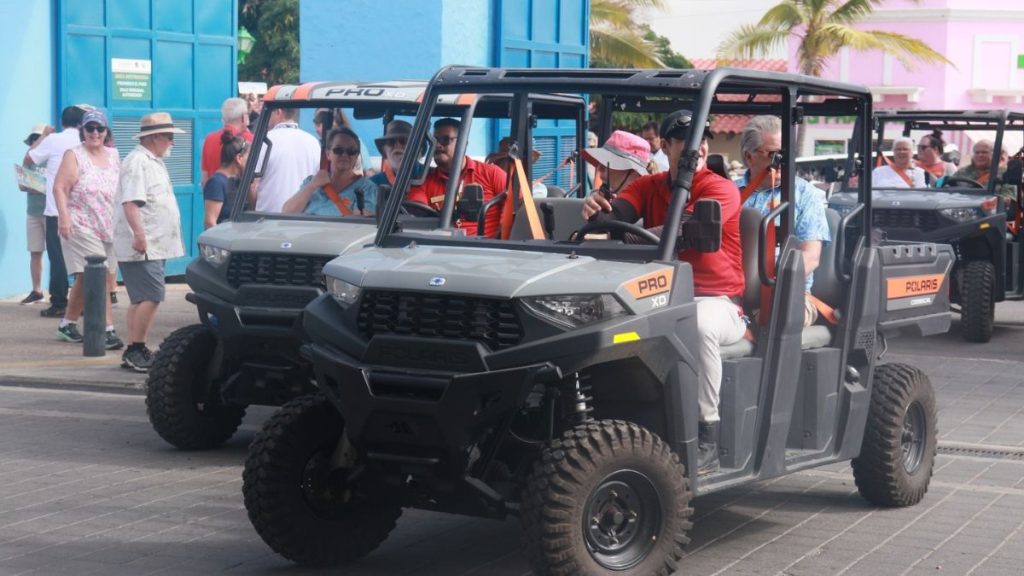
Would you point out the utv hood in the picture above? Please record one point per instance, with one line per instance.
(905, 199)
(483, 271)
(290, 236)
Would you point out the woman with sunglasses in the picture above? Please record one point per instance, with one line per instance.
(84, 193)
(929, 157)
(341, 191)
(219, 190)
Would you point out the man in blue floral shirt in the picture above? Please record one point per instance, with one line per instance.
(761, 140)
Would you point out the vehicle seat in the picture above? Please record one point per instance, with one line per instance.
(750, 220)
(826, 287)
(716, 163)
(555, 191)
(567, 213)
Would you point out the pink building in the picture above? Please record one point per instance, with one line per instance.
(983, 40)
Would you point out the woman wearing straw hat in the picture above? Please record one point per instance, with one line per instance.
(147, 230)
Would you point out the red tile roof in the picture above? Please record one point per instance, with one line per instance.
(734, 123)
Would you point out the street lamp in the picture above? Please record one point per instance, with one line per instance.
(245, 43)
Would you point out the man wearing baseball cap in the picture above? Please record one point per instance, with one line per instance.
(35, 225)
(147, 230)
(718, 279)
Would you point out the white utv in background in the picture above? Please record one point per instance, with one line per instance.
(258, 271)
(557, 380)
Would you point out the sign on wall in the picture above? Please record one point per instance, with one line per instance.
(132, 78)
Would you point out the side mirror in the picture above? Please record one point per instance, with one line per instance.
(470, 202)
(703, 231)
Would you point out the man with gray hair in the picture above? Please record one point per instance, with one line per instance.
(980, 169)
(760, 147)
(234, 114)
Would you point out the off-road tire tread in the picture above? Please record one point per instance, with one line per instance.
(170, 404)
(561, 481)
(878, 470)
(976, 314)
(273, 499)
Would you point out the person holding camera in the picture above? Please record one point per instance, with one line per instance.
(488, 176)
(760, 144)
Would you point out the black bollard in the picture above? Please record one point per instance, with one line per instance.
(95, 310)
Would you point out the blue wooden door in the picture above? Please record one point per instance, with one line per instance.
(104, 48)
(545, 34)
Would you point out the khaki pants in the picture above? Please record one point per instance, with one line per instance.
(719, 323)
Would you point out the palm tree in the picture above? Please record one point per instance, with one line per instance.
(824, 27)
(615, 37)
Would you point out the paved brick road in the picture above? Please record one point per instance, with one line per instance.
(87, 488)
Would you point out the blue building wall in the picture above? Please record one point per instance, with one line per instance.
(28, 99)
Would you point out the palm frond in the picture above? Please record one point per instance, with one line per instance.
(786, 14)
(623, 48)
(751, 41)
(610, 14)
(907, 50)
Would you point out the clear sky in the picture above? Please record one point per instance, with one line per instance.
(696, 27)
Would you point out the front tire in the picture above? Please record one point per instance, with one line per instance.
(607, 496)
(302, 507)
(977, 303)
(898, 454)
(181, 405)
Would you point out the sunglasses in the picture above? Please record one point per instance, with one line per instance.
(342, 151)
(169, 136)
(393, 141)
(923, 146)
(98, 128)
(444, 140)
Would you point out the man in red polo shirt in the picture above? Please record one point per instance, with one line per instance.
(717, 276)
(491, 178)
(234, 112)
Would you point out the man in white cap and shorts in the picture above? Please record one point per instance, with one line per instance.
(147, 230)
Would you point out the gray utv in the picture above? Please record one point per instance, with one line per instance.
(980, 220)
(556, 379)
(258, 271)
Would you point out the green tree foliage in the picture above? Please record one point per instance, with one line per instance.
(275, 26)
(615, 37)
(669, 57)
(824, 27)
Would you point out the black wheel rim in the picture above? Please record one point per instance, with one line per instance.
(622, 520)
(323, 489)
(913, 438)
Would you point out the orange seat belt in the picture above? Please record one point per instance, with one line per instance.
(824, 310)
(899, 171)
(343, 205)
(508, 212)
(388, 171)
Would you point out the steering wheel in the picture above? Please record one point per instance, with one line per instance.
(419, 209)
(618, 226)
(952, 181)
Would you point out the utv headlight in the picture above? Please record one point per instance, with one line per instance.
(962, 214)
(575, 310)
(344, 293)
(213, 255)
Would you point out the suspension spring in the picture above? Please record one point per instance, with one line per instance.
(582, 407)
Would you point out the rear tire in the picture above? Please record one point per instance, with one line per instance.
(896, 459)
(181, 406)
(608, 496)
(977, 304)
(301, 507)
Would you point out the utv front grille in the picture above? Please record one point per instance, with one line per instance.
(485, 320)
(276, 269)
(925, 221)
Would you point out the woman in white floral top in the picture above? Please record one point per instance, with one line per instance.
(84, 193)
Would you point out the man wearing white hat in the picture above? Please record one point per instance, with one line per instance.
(147, 230)
(35, 225)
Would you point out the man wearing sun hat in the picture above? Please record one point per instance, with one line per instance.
(718, 280)
(622, 159)
(147, 230)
